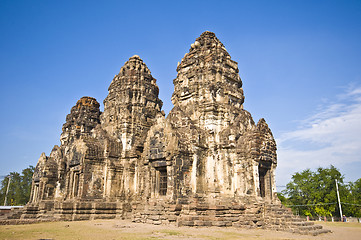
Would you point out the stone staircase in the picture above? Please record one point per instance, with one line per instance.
(63, 211)
(279, 218)
(15, 213)
(15, 216)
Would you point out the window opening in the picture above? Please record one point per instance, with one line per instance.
(163, 181)
(75, 184)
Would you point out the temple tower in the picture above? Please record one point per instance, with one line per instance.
(208, 86)
(218, 152)
(131, 105)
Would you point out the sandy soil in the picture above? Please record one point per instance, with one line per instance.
(124, 229)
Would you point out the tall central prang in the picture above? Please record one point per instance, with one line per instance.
(208, 141)
(131, 105)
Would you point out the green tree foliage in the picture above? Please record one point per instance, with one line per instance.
(314, 193)
(353, 202)
(19, 188)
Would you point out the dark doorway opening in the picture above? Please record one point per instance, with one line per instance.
(262, 178)
(265, 181)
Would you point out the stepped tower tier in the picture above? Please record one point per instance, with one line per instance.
(131, 105)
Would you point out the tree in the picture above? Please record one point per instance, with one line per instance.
(352, 205)
(314, 193)
(26, 181)
(19, 188)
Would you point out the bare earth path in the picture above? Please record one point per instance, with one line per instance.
(124, 229)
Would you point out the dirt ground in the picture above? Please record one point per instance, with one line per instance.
(124, 229)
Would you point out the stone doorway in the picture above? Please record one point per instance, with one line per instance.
(264, 179)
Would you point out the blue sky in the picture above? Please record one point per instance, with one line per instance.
(300, 62)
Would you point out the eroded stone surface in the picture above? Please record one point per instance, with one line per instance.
(131, 105)
(206, 164)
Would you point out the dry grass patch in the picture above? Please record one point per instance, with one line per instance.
(125, 229)
(342, 224)
(64, 231)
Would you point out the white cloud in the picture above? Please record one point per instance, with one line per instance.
(331, 136)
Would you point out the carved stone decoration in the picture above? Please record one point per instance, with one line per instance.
(206, 164)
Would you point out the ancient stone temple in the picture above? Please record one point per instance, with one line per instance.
(206, 163)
